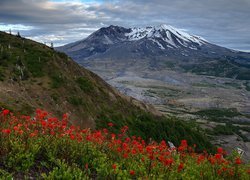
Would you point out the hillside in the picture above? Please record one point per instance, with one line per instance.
(35, 76)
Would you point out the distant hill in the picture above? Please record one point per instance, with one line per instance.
(35, 76)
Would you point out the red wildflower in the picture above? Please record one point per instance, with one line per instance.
(219, 150)
(84, 131)
(200, 159)
(6, 131)
(218, 156)
(119, 149)
(125, 155)
(16, 128)
(88, 138)
(163, 143)
(168, 162)
(181, 148)
(180, 167)
(237, 161)
(20, 132)
(124, 146)
(134, 151)
(65, 116)
(151, 156)
(105, 131)
(212, 160)
(124, 129)
(132, 172)
(110, 124)
(32, 134)
(38, 111)
(127, 140)
(184, 143)
(219, 172)
(6, 112)
(114, 166)
(113, 136)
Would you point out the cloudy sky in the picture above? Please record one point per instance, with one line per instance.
(223, 22)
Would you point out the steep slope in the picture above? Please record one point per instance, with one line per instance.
(35, 76)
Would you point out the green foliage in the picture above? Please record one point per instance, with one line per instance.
(227, 129)
(219, 68)
(55, 96)
(4, 58)
(76, 101)
(63, 171)
(21, 158)
(169, 129)
(27, 109)
(4, 175)
(62, 55)
(84, 84)
(48, 148)
(216, 113)
(57, 81)
(1, 74)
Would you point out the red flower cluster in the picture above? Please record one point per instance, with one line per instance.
(151, 155)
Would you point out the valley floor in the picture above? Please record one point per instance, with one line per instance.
(220, 105)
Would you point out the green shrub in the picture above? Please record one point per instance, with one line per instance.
(76, 101)
(57, 81)
(4, 175)
(218, 113)
(65, 172)
(84, 84)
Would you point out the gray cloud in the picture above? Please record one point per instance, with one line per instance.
(224, 22)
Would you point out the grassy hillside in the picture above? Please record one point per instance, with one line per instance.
(33, 75)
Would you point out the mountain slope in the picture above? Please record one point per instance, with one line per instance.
(35, 76)
(158, 47)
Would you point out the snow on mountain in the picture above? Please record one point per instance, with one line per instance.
(172, 36)
(138, 43)
(156, 48)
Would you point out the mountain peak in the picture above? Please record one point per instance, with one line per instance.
(163, 39)
(167, 34)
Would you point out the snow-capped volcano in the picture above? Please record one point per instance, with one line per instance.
(156, 48)
(166, 33)
(161, 37)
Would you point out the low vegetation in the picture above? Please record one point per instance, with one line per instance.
(218, 114)
(230, 129)
(220, 68)
(45, 147)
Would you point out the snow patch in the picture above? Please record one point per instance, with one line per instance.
(158, 43)
(166, 33)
